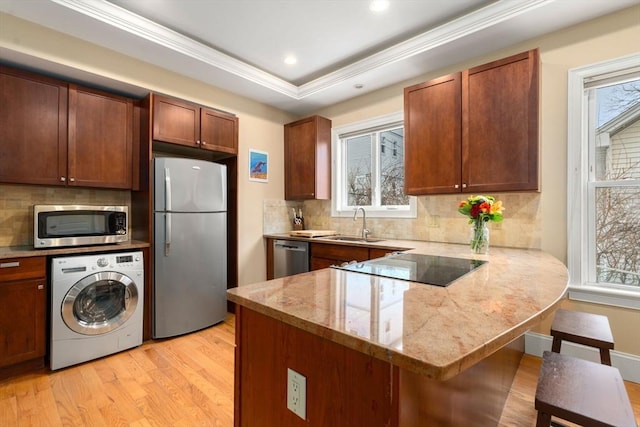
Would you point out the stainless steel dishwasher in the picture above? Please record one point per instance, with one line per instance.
(290, 257)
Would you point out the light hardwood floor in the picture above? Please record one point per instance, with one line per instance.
(184, 381)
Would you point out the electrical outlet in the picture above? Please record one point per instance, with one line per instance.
(297, 393)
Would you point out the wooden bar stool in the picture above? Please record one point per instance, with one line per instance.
(582, 392)
(582, 328)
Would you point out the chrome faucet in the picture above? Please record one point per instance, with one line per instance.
(365, 232)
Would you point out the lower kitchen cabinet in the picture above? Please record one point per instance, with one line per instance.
(324, 255)
(23, 296)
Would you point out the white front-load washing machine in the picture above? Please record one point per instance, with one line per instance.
(96, 306)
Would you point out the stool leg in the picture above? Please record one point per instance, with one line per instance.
(555, 346)
(543, 420)
(605, 356)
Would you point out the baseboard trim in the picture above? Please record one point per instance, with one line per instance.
(628, 364)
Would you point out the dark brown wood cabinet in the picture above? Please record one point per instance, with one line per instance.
(433, 134)
(307, 159)
(474, 131)
(23, 296)
(100, 139)
(55, 133)
(324, 255)
(181, 122)
(33, 128)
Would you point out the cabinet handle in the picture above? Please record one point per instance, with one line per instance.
(72, 179)
(203, 143)
(456, 186)
(464, 185)
(198, 142)
(63, 179)
(10, 264)
(40, 287)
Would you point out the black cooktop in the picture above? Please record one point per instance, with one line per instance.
(427, 269)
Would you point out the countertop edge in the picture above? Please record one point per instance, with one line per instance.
(440, 373)
(29, 251)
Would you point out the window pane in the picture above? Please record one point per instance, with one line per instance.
(358, 171)
(617, 134)
(392, 168)
(618, 235)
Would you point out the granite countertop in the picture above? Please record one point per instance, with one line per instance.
(435, 331)
(30, 251)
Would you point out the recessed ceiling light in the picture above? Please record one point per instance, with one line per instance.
(379, 5)
(290, 60)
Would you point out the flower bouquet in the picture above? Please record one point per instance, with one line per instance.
(480, 210)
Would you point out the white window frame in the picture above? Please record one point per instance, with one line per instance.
(579, 212)
(337, 171)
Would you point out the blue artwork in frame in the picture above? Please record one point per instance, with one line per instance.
(258, 166)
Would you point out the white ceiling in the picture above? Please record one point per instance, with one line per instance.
(240, 45)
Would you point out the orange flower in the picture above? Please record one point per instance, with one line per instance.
(485, 207)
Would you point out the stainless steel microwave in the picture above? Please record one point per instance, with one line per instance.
(78, 225)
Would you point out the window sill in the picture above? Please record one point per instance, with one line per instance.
(607, 296)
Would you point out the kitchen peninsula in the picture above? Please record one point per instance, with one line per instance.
(377, 351)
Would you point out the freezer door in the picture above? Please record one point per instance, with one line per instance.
(190, 272)
(189, 185)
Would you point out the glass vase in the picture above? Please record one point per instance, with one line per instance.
(479, 237)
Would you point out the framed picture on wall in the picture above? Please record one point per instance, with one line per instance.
(258, 165)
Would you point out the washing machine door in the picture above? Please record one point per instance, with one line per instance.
(100, 303)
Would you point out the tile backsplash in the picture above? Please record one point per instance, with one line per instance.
(438, 220)
(16, 206)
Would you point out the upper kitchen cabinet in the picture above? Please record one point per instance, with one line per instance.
(33, 128)
(474, 131)
(100, 139)
(54, 133)
(432, 136)
(181, 122)
(307, 159)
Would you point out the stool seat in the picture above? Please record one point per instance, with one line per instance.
(583, 328)
(582, 392)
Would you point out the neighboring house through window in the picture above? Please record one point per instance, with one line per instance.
(604, 182)
(368, 168)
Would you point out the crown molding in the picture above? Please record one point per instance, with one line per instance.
(115, 16)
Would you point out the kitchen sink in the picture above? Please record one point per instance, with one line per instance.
(355, 239)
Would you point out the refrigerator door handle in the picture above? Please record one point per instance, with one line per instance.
(167, 233)
(167, 190)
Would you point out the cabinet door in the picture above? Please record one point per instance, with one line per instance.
(176, 121)
(500, 127)
(100, 139)
(33, 128)
(22, 321)
(307, 164)
(218, 131)
(300, 160)
(432, 136)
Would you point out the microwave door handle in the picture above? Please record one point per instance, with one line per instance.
(167, 233)
(167, 190)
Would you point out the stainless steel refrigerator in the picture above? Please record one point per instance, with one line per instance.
(190, 245)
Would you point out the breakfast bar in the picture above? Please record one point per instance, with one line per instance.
(381, 351)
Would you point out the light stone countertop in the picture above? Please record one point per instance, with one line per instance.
(435, 331)
(29, 251)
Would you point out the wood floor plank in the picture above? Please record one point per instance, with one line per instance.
(184, 381)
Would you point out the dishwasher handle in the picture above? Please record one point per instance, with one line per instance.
(289, 247)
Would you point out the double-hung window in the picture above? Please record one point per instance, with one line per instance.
(604, 182)
(368, 168)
